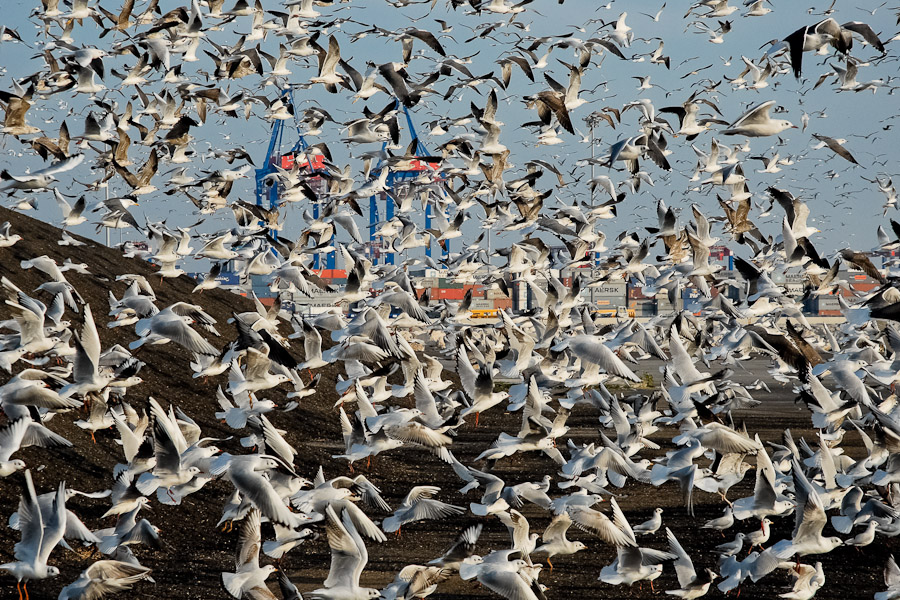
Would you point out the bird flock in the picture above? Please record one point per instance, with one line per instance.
(145, 90)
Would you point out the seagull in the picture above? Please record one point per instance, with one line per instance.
(327, 65)
(478, 386)
(764, 501)
(104, 577)
(71, 214)
(731, 548)
(806, 581)
(170, 445)
(632, 564)
(8, 239)
(811, 520)
(173, 324)
(21, 433)
(419, 505)
(757, 123)
(246, 473)
(462, 548)
(250, 578)
(42, 178)
(651, 525)
(503, 573)
(891, 580)
(39, 538)
(348, 559)
(692, 585)
(555, 541)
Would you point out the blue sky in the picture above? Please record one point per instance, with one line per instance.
(845, 206)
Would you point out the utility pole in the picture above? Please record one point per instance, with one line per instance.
(107, 199)
(592, 120)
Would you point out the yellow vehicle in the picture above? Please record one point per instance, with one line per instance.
(612, 312)
(485, 313)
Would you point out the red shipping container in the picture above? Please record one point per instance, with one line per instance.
(450, 294)
(316, 160)
(330, 273)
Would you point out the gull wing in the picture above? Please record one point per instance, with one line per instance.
(425, 401)
(55, 526)
(593, 350)
(30, 524)
(684, 568)
(247, 557)
(756, 114)
(346, 557)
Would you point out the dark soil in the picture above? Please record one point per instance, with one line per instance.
(196, 552)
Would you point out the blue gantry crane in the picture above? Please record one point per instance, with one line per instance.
(394, 179)
(267, 186)
(268, 189)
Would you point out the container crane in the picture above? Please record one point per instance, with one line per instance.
(267, 185)
(395, 179)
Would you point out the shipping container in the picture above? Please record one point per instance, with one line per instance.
(664, 307)
(860, 287)
(607, 300)
(610, 288)
(827, 303)
(694, 305)
(264, 293)
(503, 304)
(643, 308)
(636, 293)
(331, 273)
(447, 294)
